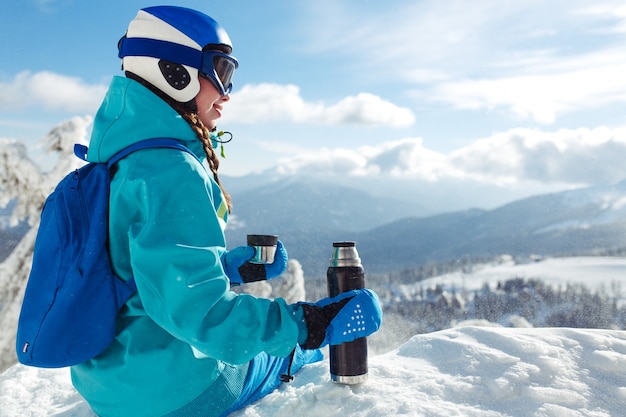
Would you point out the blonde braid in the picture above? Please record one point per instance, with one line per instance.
(203, 135)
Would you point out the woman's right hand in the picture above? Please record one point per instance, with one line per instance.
(343, 318)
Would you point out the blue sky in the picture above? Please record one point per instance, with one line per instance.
(506, 92)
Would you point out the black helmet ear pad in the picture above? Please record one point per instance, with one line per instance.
(175, 74)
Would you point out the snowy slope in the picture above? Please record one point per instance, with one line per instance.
(466, 371)
(597, 273)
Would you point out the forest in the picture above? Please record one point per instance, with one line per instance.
(415, 304)
(514, 302)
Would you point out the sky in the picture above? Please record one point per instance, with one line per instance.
(510, 93)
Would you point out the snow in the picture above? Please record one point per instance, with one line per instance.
(465, 371)
(598, 273)
(475, 369)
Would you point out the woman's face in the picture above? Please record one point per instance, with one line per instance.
(210, 103)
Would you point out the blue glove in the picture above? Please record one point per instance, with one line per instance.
(343, 318)
(240, 271)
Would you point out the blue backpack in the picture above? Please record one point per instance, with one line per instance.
(72, 296)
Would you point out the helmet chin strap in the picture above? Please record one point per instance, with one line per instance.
(217, 137)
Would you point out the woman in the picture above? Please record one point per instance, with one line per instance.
(187, 345)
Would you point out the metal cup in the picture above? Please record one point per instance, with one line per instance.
(264, 248)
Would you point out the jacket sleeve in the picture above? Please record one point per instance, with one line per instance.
(174, 243)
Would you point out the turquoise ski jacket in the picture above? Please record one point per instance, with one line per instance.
(167, 216)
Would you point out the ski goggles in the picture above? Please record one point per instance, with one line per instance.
(213, 65)
(219, 68)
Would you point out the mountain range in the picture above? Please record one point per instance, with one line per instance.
(393, 234)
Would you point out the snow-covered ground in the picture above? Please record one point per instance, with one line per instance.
(477, 370)
(465, 371)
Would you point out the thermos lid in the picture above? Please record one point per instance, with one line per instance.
(344, 254)
(262, 240)
(344, 244)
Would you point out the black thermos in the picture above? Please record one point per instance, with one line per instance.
(348, 361)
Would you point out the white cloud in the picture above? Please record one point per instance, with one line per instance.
(580, 156)
(566, 156)
(338, 161)
(364, 109)
(570, 85)
(253, 103)
(267, 102)
(51, 91)
(616, 12)
(529, 59)
(405, 157)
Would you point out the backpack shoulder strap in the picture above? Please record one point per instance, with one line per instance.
(81, 150)
(148, 143)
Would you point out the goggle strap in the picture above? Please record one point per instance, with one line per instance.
(155, 48)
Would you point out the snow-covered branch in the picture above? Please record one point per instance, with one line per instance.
(22, 180)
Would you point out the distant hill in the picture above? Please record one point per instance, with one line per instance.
(309, 217)
(391, 235)
(312, 206)
(570, 222)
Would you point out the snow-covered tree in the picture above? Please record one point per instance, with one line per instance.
(23, 181)
(290, 285)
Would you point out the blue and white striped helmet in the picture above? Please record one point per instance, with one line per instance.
(170, 46)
